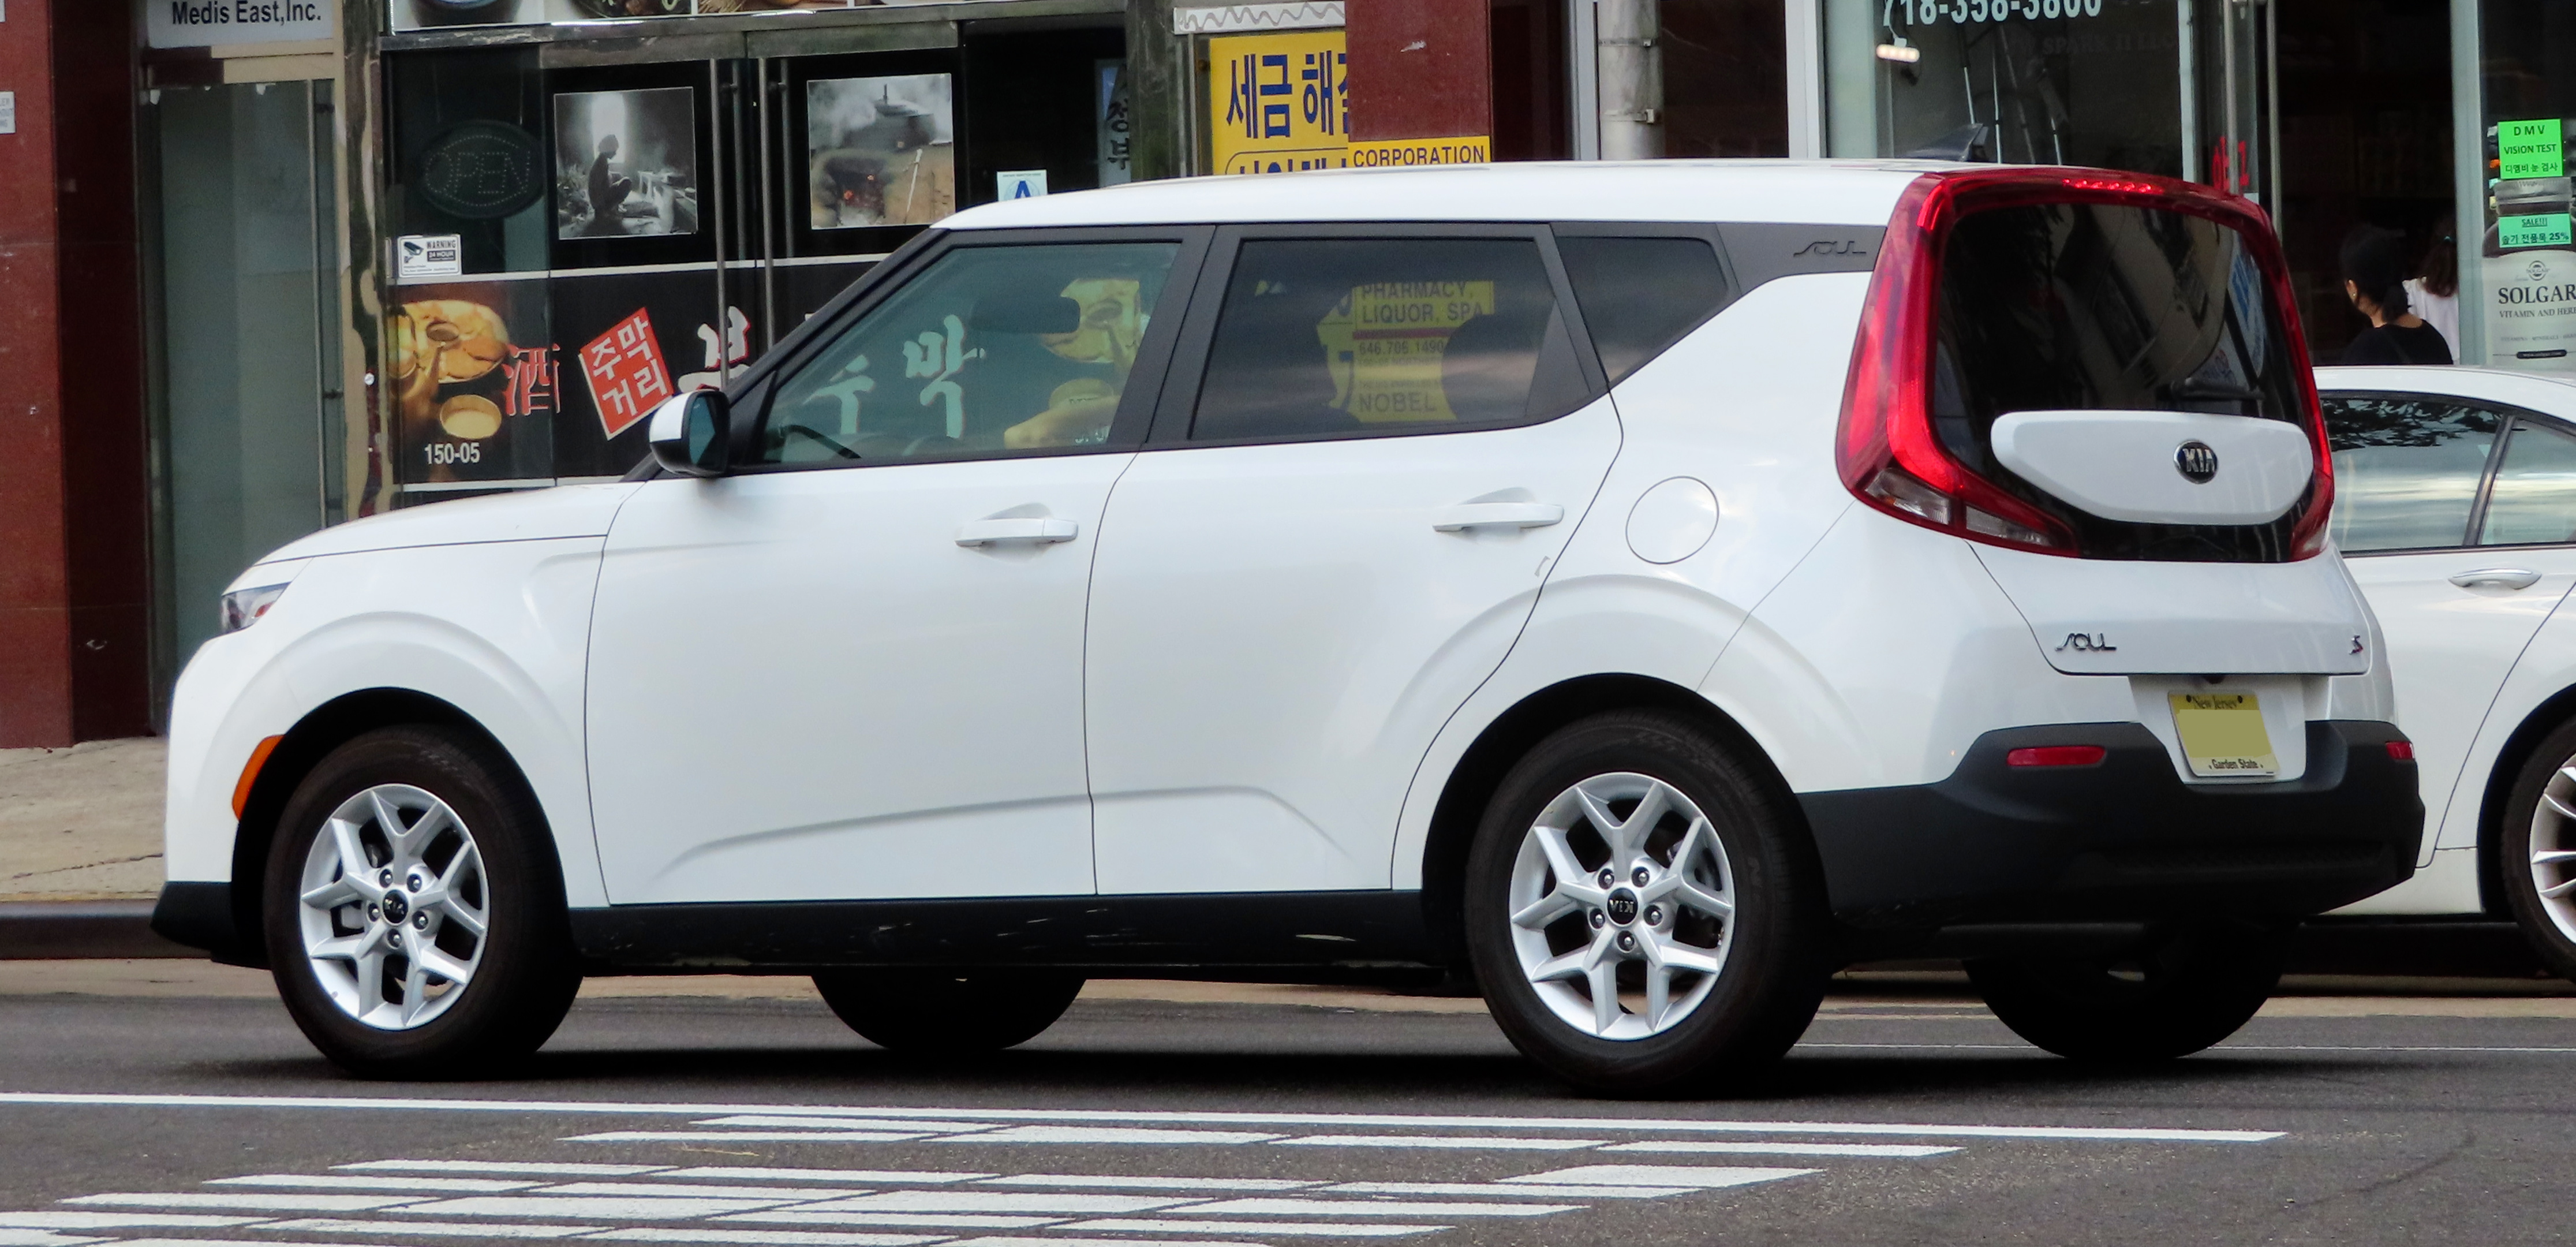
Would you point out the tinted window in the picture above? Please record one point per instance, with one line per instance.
(1640, 295)
(1339, 337)
(2069, 307)
(990, 350)
(2534, 501)
(2406, 470)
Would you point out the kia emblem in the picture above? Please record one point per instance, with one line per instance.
(2196, 461)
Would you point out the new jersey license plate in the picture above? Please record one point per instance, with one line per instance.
(2223, 735)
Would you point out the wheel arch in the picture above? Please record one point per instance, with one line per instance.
(1510, 736)
(2547, 717)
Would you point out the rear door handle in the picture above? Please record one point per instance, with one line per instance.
(1016, 531)
(2497, 577)
(1468, 516)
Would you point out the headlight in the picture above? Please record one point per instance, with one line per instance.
(243, 607)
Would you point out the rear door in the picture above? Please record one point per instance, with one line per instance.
(2456, 517)
(1360, 476)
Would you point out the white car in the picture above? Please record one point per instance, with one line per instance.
(2456, 510)
(1646, 588)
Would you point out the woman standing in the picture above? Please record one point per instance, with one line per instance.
(2374, 278)
(2434, 291)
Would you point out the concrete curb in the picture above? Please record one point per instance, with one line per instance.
(50, 930)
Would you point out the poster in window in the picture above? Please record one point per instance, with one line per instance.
(631, 340)
(880, 151)
(626, 163)
(475, 382)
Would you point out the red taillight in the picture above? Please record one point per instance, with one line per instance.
(2401, 751)
(1886, 449)
(2056, 755)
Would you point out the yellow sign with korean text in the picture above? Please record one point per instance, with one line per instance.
(1388, 342)
(1278, 103)
(1473, 149)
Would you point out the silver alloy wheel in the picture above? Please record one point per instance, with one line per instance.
(1622, 870)
(394, 907)
(2553, 848)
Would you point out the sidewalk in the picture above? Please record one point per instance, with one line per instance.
(82, 824)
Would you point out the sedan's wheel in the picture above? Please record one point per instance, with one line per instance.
(2184, 991)
(1642, 908)
(415, 917)
(2537, 855)
(948, 1011)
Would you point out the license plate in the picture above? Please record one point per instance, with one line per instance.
(2223, 735)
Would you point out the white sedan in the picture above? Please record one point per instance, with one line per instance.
(2455, 507)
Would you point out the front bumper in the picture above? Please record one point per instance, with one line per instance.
(2124, 840)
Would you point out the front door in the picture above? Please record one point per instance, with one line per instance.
(854, 668)
(1343, 527)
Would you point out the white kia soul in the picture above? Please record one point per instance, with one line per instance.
(1638, 590)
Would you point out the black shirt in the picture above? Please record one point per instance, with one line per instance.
(2392, 344)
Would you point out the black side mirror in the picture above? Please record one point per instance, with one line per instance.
(689, 434)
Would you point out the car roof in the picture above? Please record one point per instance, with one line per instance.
(1819, 192)
(2548, 393)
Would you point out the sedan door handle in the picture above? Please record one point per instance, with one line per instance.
(2497, 577)
(1468, 516)
(1019, 530)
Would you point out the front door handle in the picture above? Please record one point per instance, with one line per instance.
(976, 534)
(2497, 578)
(1469, 516)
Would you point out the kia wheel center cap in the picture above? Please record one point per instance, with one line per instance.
(1622, 907)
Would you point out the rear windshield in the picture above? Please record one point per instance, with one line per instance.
(2057, 307)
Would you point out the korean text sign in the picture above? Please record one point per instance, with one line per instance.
(1278, 103)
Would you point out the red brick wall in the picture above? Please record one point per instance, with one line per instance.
(1420, 69)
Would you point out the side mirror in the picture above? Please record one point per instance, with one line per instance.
(689, 434)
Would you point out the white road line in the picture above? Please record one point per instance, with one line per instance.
(355, 1182)
(1461, 1142)
(44, 1238)
(746, 1136)
(1273, 1207)
(1506, 1190)
(240, 1202)
(237, 1242)
(925, 1220)
(804, 1122)
(1730, 1148)
(1100, 1134)
(1092, 1242)
(1700, 1177)
(951, 1199)
(687, 1190)
(1268, 1229)
(580, 1206)
(448, 1229)
(533, 1168)
(907, 1177)
(1629, 1125)
(767, 1238)
(1086, 1181)
(57, 1220)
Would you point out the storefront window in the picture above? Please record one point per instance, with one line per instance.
(2525, 279)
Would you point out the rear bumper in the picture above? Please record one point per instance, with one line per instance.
(2124, 840)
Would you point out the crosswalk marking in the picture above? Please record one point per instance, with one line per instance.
(360, 1182)
(1910, 1151)
(1707, 1177)
(750, 1136)
(1478, 1142)
(56, 1220)
(433, 1229)
(1276, 1207)
(763, 1173)
(1507, 1190)
(765, 1238)
(845, 1123)
(1110, 1134)
(538, 1168)
(240, 1202)
(688, 1190)
(919, 1220)
(1115, 1183)
(1267, 1229)
(952, 1199)
(629, 1208)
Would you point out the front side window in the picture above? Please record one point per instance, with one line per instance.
(1346, 337)
(2534, 499)
(989, 351)
(2406, 469)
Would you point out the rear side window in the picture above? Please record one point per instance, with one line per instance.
(2077, 306)
(2406, 469)
(1339, 337)
(1640, 295)
(2534, 502)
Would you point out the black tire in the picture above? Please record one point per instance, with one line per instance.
(948, 1011)
(2514, 844)
(526, 976)
(1778, 954)
(2188, 989)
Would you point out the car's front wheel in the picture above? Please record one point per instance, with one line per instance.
(414, 912)
(2185, 990)
(1643, 912)
(948, 1011)
(2536, 853)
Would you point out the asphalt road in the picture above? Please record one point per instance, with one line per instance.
(137, 1111)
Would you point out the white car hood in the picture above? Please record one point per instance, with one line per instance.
(535, 515)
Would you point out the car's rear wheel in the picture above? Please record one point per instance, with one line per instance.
(2536, 857)
(1643, 911)
(948, 1011)
(2185, 990)
(414, 910)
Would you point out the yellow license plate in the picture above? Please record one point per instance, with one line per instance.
(2223, 735)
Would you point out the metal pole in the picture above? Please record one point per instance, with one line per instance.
(1632, 80)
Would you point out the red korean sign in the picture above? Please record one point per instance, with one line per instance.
(627, 377)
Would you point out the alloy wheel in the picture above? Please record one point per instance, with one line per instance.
(2553, 848)
(395, 910)
(1622, 906)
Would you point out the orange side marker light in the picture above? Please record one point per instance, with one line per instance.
(250, 772)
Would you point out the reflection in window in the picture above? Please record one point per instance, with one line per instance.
(991, 350)
(2534, 501)
(1640, 295)
(2406, 470)
(1337, 337)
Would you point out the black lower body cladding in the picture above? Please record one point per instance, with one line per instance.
(2123, 840)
